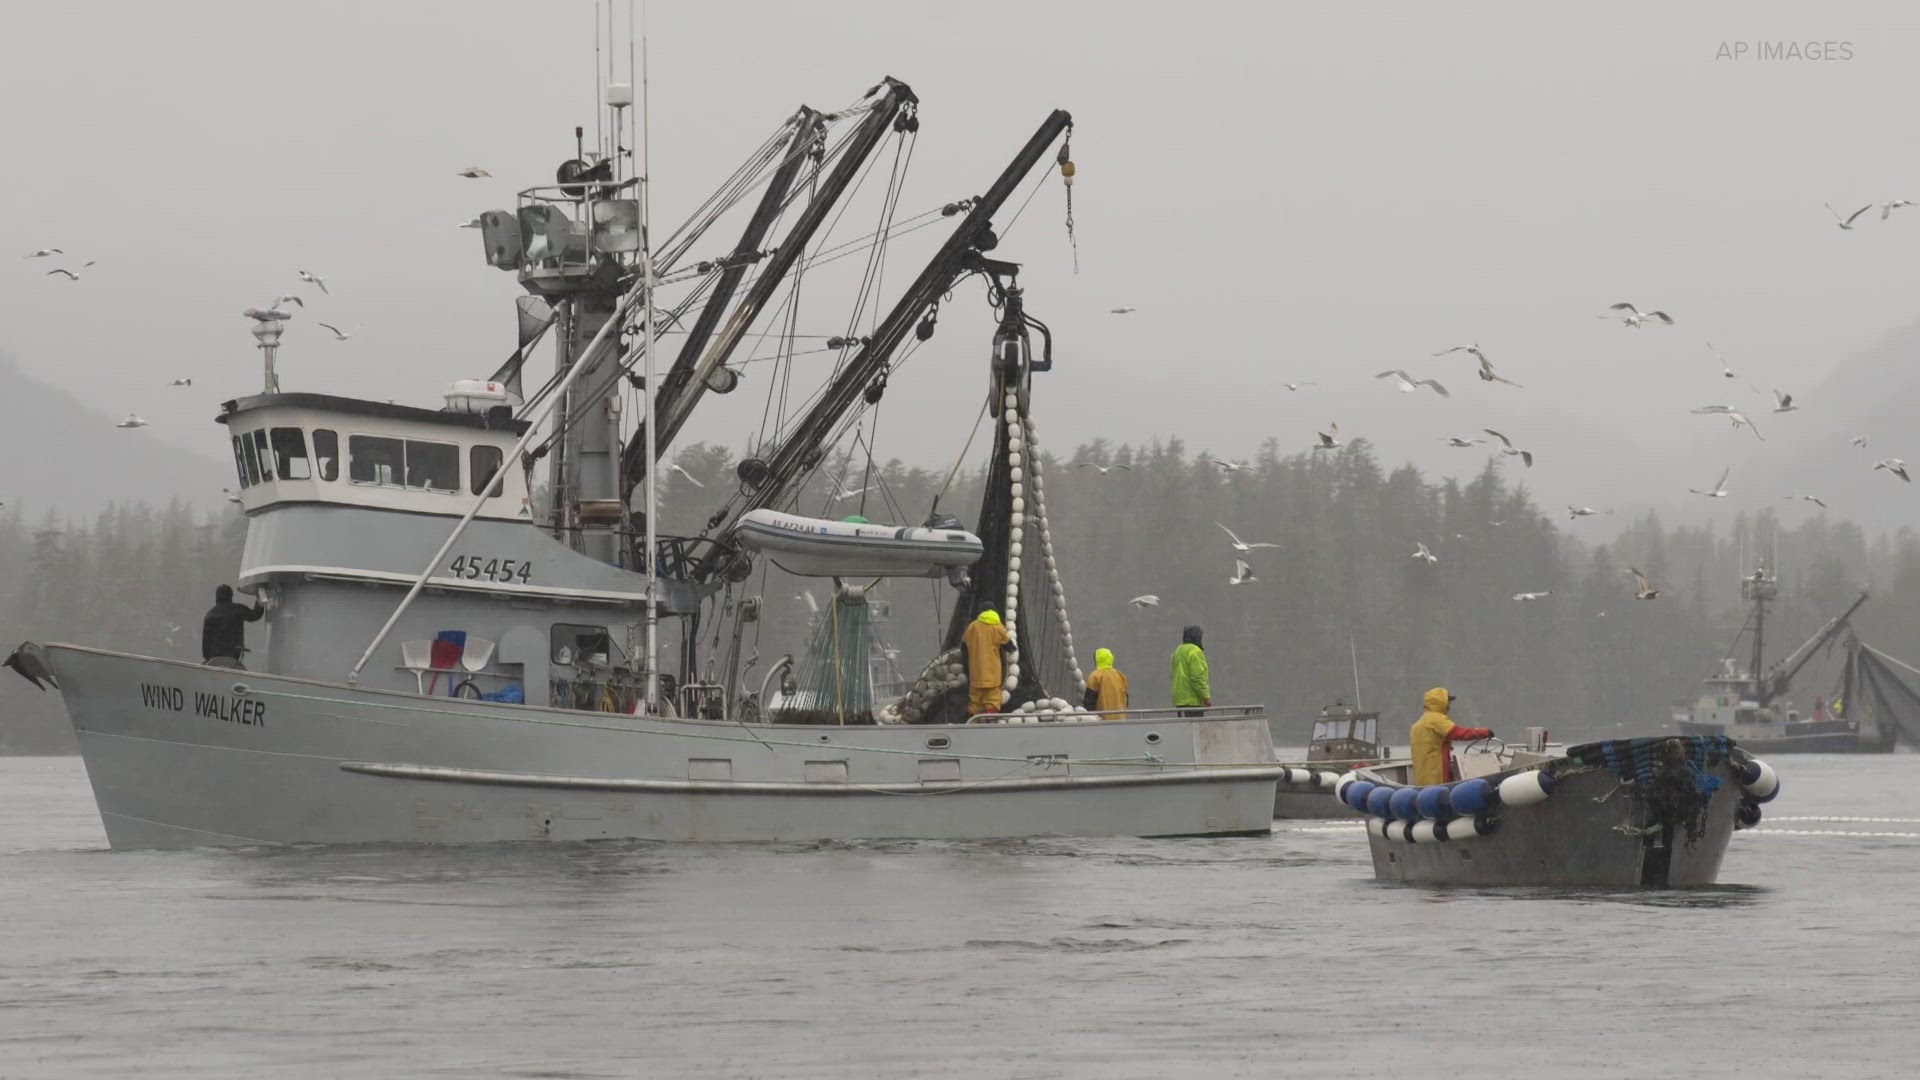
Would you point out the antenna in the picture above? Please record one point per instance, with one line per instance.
(1354, 655)
(598, 83)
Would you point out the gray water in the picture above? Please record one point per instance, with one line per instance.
(1098, 958)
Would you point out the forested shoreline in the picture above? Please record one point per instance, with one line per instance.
(1589, 659)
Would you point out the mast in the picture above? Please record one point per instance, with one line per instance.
(959, 255)
(650, 694)
(1759, 588)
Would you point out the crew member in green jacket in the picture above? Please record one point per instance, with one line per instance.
(1191, 688)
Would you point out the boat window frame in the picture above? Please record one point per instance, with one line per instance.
(240, 463)
(251, 457)
(326, 467)
(266, 455)
(399, 462)
(284, 462)
(406, 476)
(475, 481)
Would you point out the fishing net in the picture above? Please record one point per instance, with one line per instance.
(1671, 774)
(1018, 577)
(833, 680)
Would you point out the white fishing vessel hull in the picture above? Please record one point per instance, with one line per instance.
(184, 755)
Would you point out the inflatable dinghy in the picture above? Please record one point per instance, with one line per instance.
(818, 547)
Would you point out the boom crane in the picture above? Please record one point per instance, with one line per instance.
(1775, 683)
(806, 124)
(770, 480)
(896, 107)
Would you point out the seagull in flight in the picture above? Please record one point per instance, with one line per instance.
(1471, 350)
(1783, 402)
(1122, 310)
(677, 467)
(1298, 385)
(1408, 384)
(1486, 366)
(1459, 443)
(1726, 369)
(338, 334)
(1242, 573)
(1634, 316)
(1526, 596)
(1240, 545)
(1642, 588)
(188, 381)
(840, 489)
(72, 275)
(230, 495)
(1859, 441)
(1229, 466)
(313, 279)
(41, 253)
(1142, 603)
(1814, 499)
(1102, 469)
(1583, 511)
(133, 421)
(1895, 466)
(471, 223)
(473, 172)
(1846, 223)
(1719, 489)
(1511, 450)
(1887, 208)
(1420, 552)
(1330, 438)
(1738, 418)
(278, 300)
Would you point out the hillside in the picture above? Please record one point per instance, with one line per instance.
(64, 455)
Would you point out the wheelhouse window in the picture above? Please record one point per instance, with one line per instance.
(326, 453)
(409, 463)
(249, 456)
(261, 451)
(240, 463)
(483, 464)
(373, 460)
(433, 466)
(290, 453)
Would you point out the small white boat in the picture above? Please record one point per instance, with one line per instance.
(819, 547)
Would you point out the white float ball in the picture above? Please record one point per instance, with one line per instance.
(1019, 520)
(1013, 561)
(1020, 474)
(1019, 504)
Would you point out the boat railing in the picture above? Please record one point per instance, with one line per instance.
(1198, 712)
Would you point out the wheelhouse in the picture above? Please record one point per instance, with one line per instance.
(314, 448)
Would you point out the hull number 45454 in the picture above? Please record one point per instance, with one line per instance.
(476, 568)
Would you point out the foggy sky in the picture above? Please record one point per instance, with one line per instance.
(1287, 193)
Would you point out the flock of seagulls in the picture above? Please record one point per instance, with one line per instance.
(274, 309)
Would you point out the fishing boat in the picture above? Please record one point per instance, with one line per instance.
(1870, 710)
(1343, 739)
(450, 659)
(1623, 813)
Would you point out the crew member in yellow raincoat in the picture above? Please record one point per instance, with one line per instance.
(1106, 687)
(984, 639)
(1431, 734)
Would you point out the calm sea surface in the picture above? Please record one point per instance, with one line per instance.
(1273, 957)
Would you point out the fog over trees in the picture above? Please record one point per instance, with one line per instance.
(1590, 659)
